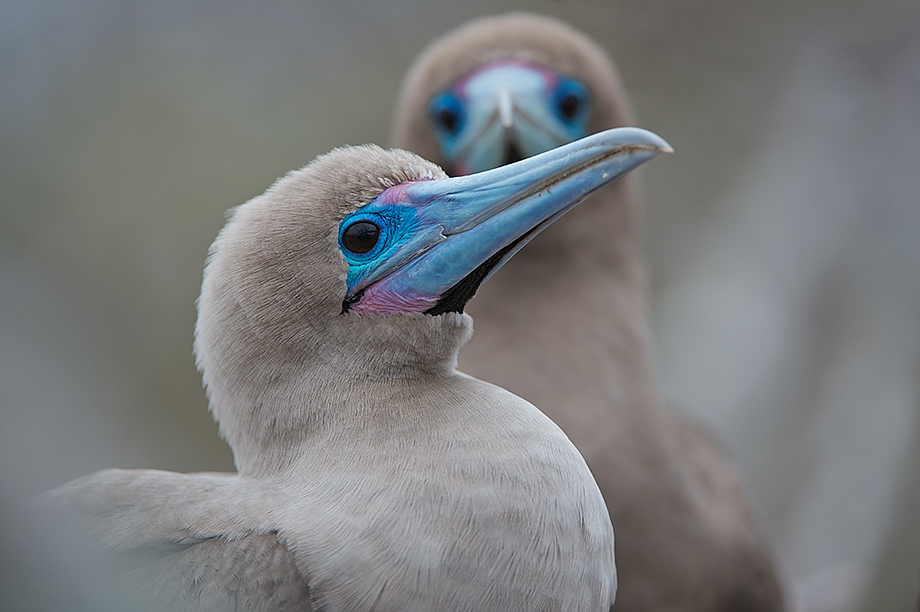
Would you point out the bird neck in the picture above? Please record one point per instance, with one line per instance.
(272, 402)
(564, 323)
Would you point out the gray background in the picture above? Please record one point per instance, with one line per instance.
(783, 236)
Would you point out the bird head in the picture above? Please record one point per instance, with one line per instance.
(503, 88)
(360, 265)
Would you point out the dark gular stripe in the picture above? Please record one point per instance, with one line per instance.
(455, 298)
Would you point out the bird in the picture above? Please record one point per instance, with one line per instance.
(371, 473)
(572, 310)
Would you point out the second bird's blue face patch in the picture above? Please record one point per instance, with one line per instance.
(507, 104)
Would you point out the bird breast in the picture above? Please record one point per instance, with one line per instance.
(461, 517)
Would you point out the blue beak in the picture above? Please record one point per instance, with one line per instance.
(436, 241)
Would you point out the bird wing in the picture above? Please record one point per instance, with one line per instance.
(713, 474)
(183, 541)
(753, 582)
(255, 573)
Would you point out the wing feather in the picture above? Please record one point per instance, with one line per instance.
(180, 542)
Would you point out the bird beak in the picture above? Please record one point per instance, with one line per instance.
(505, 109)
(467, 227)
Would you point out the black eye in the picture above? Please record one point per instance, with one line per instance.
(360, 237)
(448, 119)
(568, 105)
(445, 111)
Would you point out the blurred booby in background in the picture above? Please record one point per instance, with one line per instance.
(371, 474)
(502, 88)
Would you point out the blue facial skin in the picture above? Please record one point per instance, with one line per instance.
(404, 233)
(428, 235)
(505, 111)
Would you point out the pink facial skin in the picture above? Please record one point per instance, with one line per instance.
(378, 299)
(550, 76)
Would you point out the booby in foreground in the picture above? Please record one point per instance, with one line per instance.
(372, 474)
(564, 325)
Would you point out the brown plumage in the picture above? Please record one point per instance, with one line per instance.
(571, 309)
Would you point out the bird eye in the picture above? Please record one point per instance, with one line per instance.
(448, 119)
(572, 101)
(446, 113)
(360, 237)
(568, 105)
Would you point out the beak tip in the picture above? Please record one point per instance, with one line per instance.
(635, 139)
(655, 141)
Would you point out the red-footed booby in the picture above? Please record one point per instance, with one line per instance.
(564, 325)
(372, 474)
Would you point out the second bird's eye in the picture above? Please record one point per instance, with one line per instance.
(448, 119)
(573, 102)
(360, 237)
(445, 111)
(569, 105)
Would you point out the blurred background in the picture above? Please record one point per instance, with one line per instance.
(783, 236)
